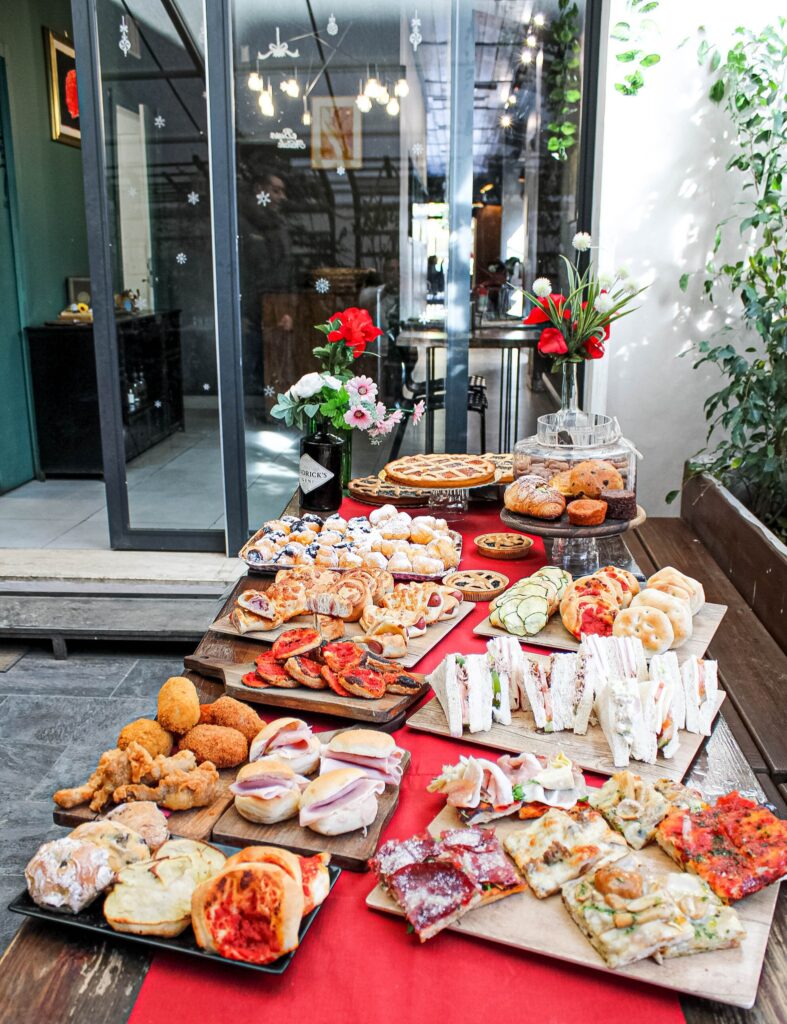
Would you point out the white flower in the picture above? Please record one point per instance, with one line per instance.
(603, 303)
(623, 273)
(581, 241)
(542, 287)
(606, 278)
(307, 386)
(631, 285)
(332, 382)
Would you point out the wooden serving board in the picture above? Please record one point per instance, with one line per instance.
(544, 926)
(351, 850)
(555, 635)
(195, 824)
(301, 698)
(591, 751)
(416, 648)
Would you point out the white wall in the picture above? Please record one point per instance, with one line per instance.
(661, 189)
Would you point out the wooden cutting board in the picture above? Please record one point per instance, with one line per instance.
(301, 698)
(544, 926)
(555, 635)
(591, 751)
(416, 649)
(195, 824)
(351, 850)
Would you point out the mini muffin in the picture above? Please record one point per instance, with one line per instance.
(586, 512)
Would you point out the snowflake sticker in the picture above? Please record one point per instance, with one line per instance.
(263, 198)
(132, 192)
(206, 387)
(159, 121)
(157, 403)
(417, 149)
(415, 36)
(181, 258)
(125, 42)
(340, 170)
(192, 198)
(322, 285)
(269, 391)
(332, 28)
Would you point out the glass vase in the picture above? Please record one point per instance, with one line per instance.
(570, 417)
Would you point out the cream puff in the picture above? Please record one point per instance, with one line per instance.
(382, 514)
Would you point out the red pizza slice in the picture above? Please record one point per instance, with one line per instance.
(433, 894)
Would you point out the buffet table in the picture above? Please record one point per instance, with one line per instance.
(360, 965)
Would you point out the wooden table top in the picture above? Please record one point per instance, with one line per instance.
(50, 973)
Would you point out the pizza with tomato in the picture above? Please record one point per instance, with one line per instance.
(736, 845)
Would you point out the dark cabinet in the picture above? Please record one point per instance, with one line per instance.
(63, 369)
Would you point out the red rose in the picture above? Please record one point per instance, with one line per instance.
(537, 314)
(72, 97)
(355, 328)
(594, 348)
(552, 342)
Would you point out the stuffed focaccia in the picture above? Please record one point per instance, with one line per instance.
(561, 846)
(680, 797)
(626, 913)
(714, 924)
(632, 806)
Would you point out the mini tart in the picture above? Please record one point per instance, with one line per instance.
(586, 512)
(505, 546)
(477, 584)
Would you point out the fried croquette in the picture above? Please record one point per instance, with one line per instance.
(232, 713)
(224, 746)
(178, 705)
(148, 734)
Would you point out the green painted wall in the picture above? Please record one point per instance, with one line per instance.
(50, 202)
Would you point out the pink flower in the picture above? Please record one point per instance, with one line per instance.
(358, 417)
(418, 411)
(361, 387)
(379, 412)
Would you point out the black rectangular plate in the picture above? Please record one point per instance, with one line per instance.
(92, 920)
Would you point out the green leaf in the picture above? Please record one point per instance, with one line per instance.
(684, 282)
(650, 60)
(671, 497)
(716, 93)
(715, 60)
(628, 56)
(573, 95)
(647, 8)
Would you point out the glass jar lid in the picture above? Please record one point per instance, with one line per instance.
(592, 430)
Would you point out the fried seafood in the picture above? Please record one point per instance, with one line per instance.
(178, 790)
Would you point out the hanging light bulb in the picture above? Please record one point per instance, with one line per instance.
(266, 102)
(362, 100)
(255, 82)
(383, 96)
(539, 20)
(401, 88)
(527, 57)
(306, 117)
(372, 88)
(293, 89)
(531, 40)
(392, 107)
(506, 121)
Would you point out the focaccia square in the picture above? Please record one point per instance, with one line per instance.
(560, 846)
(715, 925)
(626, 913)
(632, 806)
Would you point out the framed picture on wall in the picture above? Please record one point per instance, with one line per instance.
(336, 133)
(63, 96)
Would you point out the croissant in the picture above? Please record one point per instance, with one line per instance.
(530, 496)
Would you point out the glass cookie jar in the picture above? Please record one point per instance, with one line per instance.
(555, 448)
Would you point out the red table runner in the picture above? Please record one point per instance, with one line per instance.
(358, 965)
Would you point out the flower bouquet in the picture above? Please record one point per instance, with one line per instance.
(580, 322)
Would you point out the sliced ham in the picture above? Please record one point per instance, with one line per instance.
(353, 792)
(288, 742)
(389, 768)
(268, 787)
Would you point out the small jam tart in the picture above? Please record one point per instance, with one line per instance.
(586, 512)
(477, 584)
(506, 546)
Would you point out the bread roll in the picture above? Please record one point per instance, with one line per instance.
(530, 496)
(268, 791)
(124, 845)
(68, 874)
(648, 624)
(206, 859)
(677, 612)
(622, 578)
(671, 575)
(340, 801)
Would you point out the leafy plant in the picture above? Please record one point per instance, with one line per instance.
(751, 407)
(564, 81)
(636, 33)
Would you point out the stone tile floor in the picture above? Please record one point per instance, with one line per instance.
(56, 718)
